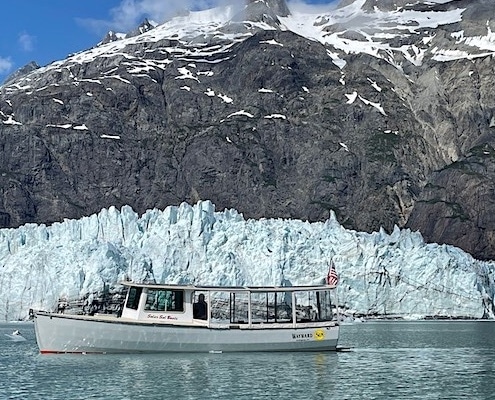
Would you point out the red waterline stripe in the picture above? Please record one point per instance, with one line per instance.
(70, 352)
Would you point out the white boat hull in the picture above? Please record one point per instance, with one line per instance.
(59, 333)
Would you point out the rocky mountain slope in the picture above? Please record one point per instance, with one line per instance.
(381, 111)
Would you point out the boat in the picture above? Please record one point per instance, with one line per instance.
(162, 318)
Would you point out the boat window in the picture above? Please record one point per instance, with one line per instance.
(164, 300)
(200, 305)
(219, 305)
(313, 305)
(239, 308)
(271, 307)
(133, 297)
(259, 309)
(325, 308)
(283, 307)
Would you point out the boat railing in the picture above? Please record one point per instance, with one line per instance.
(214, 324)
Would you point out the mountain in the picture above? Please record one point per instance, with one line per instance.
(379, 111)
(380, 274)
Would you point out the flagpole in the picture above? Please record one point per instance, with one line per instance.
(333, 279)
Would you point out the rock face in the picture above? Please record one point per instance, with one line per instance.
(245, 111)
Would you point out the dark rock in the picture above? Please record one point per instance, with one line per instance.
(31, 66)
(144, 27)
(265, 125)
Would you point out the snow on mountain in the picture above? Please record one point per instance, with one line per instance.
(379, 273)
(207, 36)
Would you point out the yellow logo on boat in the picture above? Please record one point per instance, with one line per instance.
(319, 334)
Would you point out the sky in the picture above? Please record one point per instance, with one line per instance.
(47, 31)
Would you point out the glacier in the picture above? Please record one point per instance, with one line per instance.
(380, 274)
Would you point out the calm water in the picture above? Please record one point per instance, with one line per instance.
(406, 360)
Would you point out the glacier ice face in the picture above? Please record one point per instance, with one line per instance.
(379, 273)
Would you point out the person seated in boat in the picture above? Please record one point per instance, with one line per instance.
(306, 314)
(62, 305)
(16, 333)
(200, 309)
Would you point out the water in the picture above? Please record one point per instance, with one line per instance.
(406, 360)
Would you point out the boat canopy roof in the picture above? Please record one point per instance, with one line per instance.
(230, 288)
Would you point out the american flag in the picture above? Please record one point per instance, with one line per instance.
(332, 277)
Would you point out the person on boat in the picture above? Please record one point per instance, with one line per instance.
(16, 333)
(200, 309)
(62, 305)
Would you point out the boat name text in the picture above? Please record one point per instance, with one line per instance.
(161, 316)
(302, 336)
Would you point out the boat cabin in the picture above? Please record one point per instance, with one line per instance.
(228, 306)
